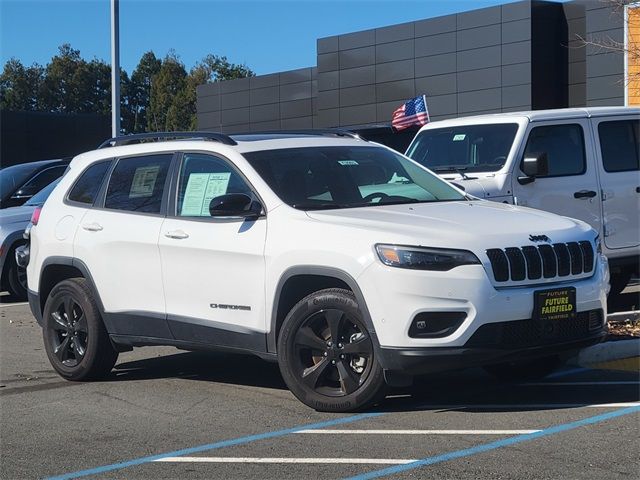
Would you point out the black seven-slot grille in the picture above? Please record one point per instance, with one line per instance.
(543, 261)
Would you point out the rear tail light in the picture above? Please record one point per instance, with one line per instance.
(36, 215)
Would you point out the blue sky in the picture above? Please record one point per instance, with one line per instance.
(267, 35)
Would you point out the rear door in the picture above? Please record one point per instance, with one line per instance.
(619, 163)
(118, 242)
(571, 186)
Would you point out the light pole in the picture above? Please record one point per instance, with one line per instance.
(115, 68)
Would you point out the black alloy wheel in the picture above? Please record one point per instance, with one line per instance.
(69, 336)
(326, 353)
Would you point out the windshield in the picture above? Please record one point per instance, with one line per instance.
(41, 197)
(14, 176)
(315, 178)
(466, 148)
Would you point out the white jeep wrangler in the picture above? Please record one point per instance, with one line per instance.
(350, 265)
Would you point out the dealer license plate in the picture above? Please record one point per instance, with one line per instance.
(556, 304)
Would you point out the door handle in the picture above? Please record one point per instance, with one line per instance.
(584, 194)
(92, 227)
(177, 234)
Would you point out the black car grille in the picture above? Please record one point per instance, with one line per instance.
(535, 262)
(532, 333)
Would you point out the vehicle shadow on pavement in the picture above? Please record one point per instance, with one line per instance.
(203, 366)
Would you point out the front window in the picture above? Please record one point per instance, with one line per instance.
(465, 148)
(314, 178)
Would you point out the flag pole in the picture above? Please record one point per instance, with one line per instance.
(115, 68)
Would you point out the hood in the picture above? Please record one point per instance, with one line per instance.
(460, 224)
(480, 184)
(20, 214)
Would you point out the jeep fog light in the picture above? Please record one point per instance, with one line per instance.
(422, 258)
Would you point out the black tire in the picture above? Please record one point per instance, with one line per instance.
(16, 278)
(525, 370)
(619, 282)
(75, 338)
(326, 354)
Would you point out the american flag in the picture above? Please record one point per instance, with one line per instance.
(414, 112)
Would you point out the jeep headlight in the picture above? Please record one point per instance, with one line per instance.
(424, 258)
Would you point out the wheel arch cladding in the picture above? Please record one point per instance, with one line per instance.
(298, 282)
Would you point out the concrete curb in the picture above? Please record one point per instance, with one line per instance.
(623, 353)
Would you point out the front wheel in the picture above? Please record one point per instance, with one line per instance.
(75, 338)
(326, 354)
(524, 370)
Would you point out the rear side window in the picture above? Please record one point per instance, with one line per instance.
(137, 184)
(619, 145)
(42, 179)
(88, 184)
(564, 146)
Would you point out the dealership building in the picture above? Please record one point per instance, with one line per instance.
(517, 56)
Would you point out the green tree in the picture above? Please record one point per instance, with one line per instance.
(165, 86)
(19, 86)
(140, 90)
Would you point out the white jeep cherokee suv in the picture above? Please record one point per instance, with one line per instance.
(349, 264)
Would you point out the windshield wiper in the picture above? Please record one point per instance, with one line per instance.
(319, 206)
(458, 170)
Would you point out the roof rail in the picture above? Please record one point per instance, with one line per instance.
(164, 136)
(325, 132)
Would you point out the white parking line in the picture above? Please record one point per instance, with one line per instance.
(517, 406)
(324, 461)
(421, 432)
(577, 384)
(3, 305)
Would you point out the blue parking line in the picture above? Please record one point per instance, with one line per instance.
(213, 446)
(495, 445)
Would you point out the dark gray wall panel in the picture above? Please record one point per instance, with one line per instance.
(516, 11)
(479, 58)
(479, 79)
(357, 95)
(260, 96)
(262, 81)
(516, 74)
(208, 89)
(357, 39)
(578, 95)
(234, 100)
(437, 84)
(327, 44)
(359, 115)
(235, 116)
(399, 90)
(392, 71)
(435, 44)
(357, 57)
(604, 87)
(296, 123)
(328, 62)
(442, 104)
(433, 26)
(606, 102)
(265, 126)
(384, 111)
(237, 85)
(329, 118)
(394, 33)
(209, 120)
(479, 18)
(435, 65)
(517, 95)
(478, 37)
(606, 64)
(517, 31)
(357, 76)
(328, 99)
(390, 52)
(208, 104)
(295, 91)
(480, 100)
(297, 108)
(296, 76)
(516, 53)
(577, 72)
(601, 19)
(263, 113)
(328, 81)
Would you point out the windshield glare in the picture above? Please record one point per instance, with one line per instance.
(314, 178)
(466, 148)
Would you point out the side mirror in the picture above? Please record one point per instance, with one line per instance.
(534, 165)
(235, 205)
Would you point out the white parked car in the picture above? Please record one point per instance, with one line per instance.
(347, 263)
(581, 163)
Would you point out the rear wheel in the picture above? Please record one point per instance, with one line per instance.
(524, 370)
(326, 354)
(75, 338)
(16, 278)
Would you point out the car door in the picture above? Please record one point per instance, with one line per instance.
(570, 188)
(118, 242)
(619, 162)
(213, 268)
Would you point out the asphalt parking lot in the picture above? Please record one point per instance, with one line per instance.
(171, 414)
